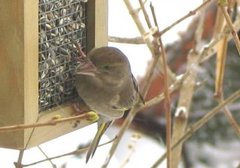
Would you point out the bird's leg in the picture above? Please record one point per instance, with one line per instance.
(77, 108)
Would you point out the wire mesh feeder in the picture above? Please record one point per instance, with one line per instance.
(60, 23)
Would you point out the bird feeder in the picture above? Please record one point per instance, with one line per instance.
(37, 61)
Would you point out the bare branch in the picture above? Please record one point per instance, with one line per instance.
(167, 105)
(89, 116)
(232, 28)
(145, 14)
(197, 125)
(191, 13)
(75, 152)
(47, 158)
(134, 40)
(18, 164)
(184, 104)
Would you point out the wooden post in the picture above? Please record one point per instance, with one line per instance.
(19, 72)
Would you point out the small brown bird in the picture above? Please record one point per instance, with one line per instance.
(107, 86)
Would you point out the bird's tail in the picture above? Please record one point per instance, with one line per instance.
(101, 129)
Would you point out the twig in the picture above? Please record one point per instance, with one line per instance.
(186, 93)
(21, 152)
(145, 14)
(191, 13)
(166, 93)
(220, 65)
(232, 28)
(161, 96)
(75, 152)
(18, 164)
(199, 30)
(219, 22)
(153, 15)
(232, 121)
(134, 40)
(145, 34)
(148, 77)
(201, 122)
(89, 116)
(124, 127)
(210, 49)
(167, 105)
(47, 158)
(140, 40)
(229, 116)
(183, 107)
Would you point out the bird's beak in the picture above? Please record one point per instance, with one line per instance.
(86, 68)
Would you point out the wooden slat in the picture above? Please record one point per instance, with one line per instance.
(97, 23)
(30, 64)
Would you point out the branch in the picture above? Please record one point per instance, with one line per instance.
(75, 152)
(196, 126)
(191, 13)
(134, 40)
(167, 105)
(89, 116)
(232, 121)
(186, 93)
(182, 112)
(18, 164)
(147, 35)
(160, 97)
(211, 48)
(231, 26)
(145, 14)
(153, 14)
(47, 158)
(229, 116)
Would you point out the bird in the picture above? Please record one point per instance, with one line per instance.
(104, 81)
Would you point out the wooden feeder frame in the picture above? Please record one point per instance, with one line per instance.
(19, 71)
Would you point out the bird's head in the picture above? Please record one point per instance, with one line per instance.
(106, 63)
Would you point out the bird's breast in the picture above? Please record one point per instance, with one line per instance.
(104, 99)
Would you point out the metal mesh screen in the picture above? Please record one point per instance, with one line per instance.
(60, 23)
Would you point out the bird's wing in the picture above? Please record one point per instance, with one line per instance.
(137, 89)
(101, 129)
